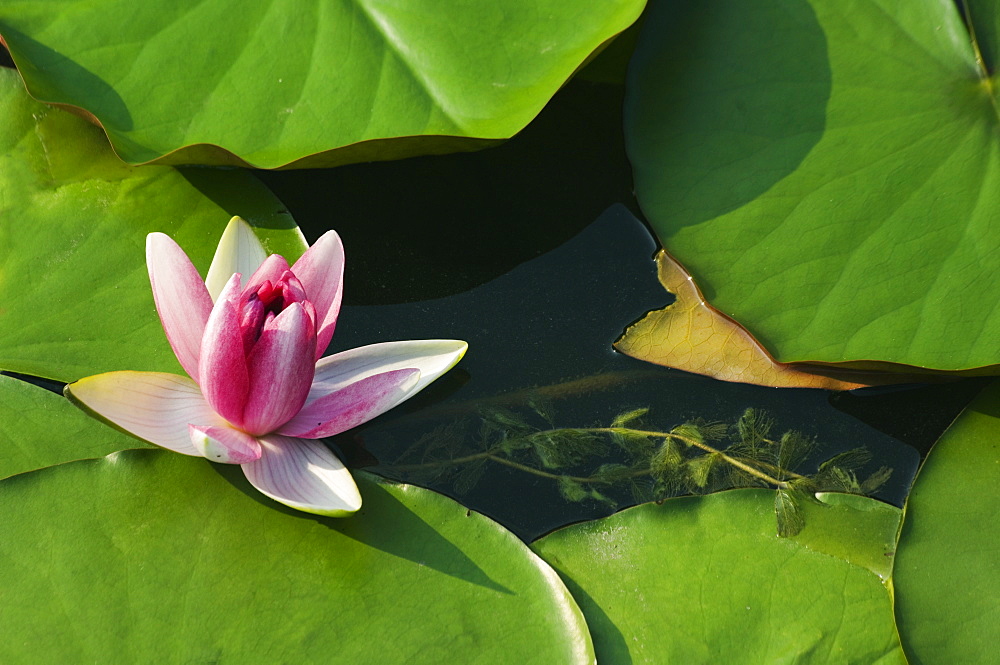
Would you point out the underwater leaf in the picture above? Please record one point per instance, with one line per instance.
(787, 509)
(613, 472)
(688, 432)
(838, 479)
(701, 468)
(75, 292)
(691, 335)
(872, 483)
(642, 490)
(849, 459)
(830, 177)
(629, 418)
(566, 447)
(502, 422)
(947, 576)
(701, 580)
(304, 82)
(152, 548)
(793, 449)
(838, 472)
(666, 461)
(754, 426)
(571, 490)
(39, 428)
(470, 474)
(636, 446)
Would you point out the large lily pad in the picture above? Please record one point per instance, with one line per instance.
(705, 580)
(73, 221)
(39, 428)
(830, 178)
(147, 553)
(270, 84)
(947, 577)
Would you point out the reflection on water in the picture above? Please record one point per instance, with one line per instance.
(540, 351)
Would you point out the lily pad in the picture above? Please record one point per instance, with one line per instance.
(947, 575)
(151, 548)
(273, 84)
(39, 428)
(830, 178)
(705, 580)
(73, 285)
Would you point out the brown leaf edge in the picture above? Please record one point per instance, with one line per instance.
(691, 335)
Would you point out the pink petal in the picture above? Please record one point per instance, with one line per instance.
(281, 371)
(224, 444)
(182, 300)
(304, 475)
(269, 271)
(352, 405)
(292, 289)
(251, 322)
(321, 271)
(153, 406)
(223, 367)
(239, 251)
(433, 357)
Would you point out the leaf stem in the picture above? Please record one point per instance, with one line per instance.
(704, 446)
(487, 455)
(492, 457)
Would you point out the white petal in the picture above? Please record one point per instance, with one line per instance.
(153, 406)
(304, 475)
(433, 357)
(239, 251)
(224, 444)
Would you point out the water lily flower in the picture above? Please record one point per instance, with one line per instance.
(258, 392)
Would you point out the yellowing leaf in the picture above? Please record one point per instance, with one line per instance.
(693, 336)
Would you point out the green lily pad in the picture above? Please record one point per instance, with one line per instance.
(830, 178)
(147, 553)
(39, 428)
(947, 576)
(73, 285)
(705, 580)
(224, 82)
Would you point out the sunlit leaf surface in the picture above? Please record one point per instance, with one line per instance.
(267, 84)
(147, 555)
(829, 174)
(705, 580)
(947, 575)
(73, 221)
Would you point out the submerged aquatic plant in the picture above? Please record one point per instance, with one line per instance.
(695, 457)
(258, 393)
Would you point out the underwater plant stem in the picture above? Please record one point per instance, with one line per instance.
(499, 460)
(539, 472)
(777, 469)
(490, 456)
(704, 446)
